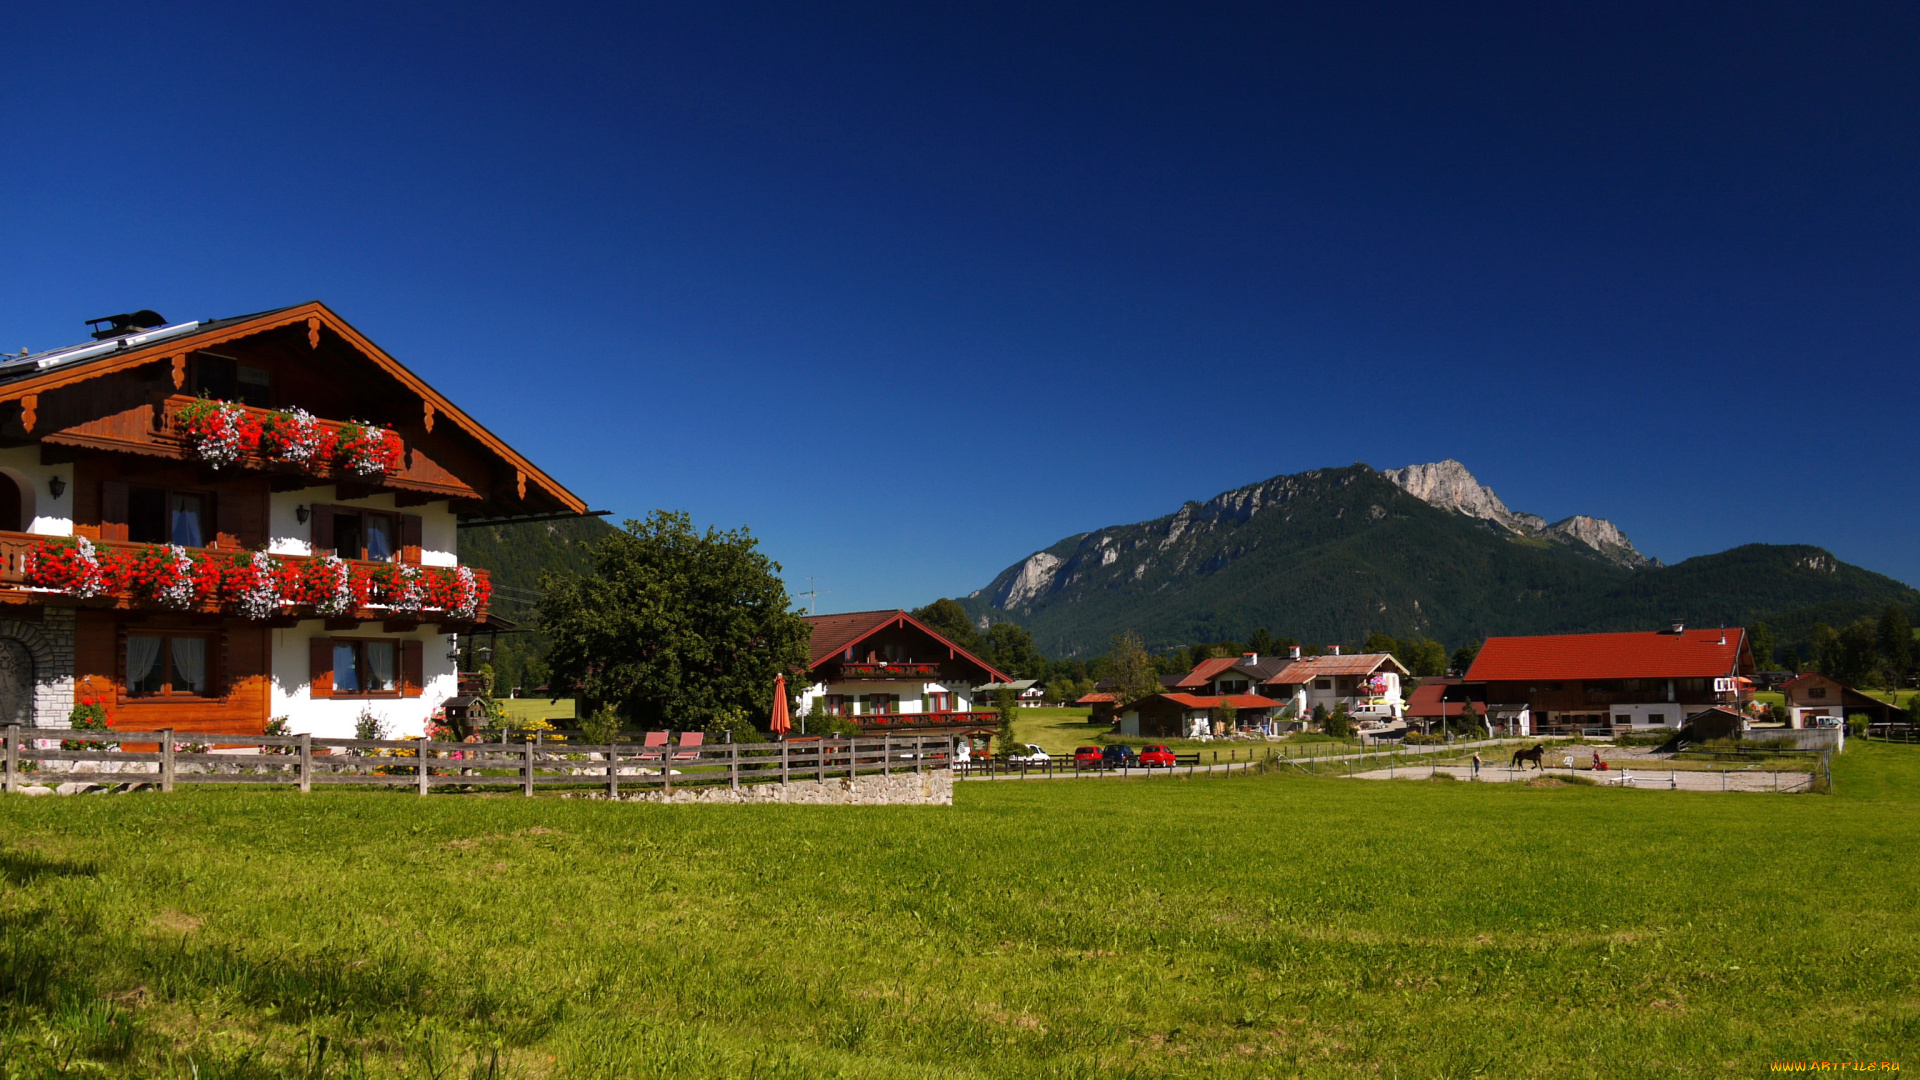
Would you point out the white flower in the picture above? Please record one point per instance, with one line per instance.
(261, 600)
(338, 599)
(179, 594)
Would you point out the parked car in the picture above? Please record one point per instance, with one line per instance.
(1030, 754)
(1157, 757)
(1087, 756)
(1119, 756)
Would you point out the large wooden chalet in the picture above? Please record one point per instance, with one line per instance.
(888, 671)
(208, 524)
(1368, 684)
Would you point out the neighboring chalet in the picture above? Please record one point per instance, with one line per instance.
(1368, 684)
(208, 524)
(1582, 682)
(1027, 693)
(1180, 716)
(1814, 697)
(888, 671)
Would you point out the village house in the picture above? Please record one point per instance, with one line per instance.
(1570, 683)
(1428, 708)
(1816, 700)
(1182, 716)
(1027, 693)
(1368, 684)
(205, 525)
(888, 671)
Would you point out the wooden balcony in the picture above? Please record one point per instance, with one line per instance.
(911, 672)
(879, 722)
(14, 587)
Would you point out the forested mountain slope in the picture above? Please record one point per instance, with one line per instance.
(1334, 554)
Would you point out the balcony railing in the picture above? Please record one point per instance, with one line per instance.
(378, 590)
(950, 718)
(889, 671)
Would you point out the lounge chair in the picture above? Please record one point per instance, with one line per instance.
(655, 748)
(690, 745)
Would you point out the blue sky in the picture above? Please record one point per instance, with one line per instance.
(913, 291)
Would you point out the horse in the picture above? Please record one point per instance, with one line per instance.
(1535, 755)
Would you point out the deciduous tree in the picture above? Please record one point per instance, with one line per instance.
(950, 620)
(1134, 675)
(672, 626)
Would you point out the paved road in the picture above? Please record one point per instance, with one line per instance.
(1660, 779)
(1068, 773)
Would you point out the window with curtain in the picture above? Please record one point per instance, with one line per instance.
(366, 666)
(365, 534)
(167, 665)
(380, 546)
(162, 516)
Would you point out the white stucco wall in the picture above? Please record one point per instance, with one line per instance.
(439, 529)
(909, 697)
(40, 512)
(333, 718)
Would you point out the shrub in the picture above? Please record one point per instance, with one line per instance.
(732, 725)
(369, 725)
(1857, 724)
(602, 727)
(1338, 724)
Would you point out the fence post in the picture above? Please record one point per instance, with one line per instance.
(733, 765)
(306, 763)
(820, 760)
(166, 759)
(613, 769)
(13, 758)
(526, 767)
(786, 757)
(420, 763)
(919, 754)
(886, 754)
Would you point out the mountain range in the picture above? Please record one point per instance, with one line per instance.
(1334, 554)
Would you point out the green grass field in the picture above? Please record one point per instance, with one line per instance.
(1265, 926)
(558, 710)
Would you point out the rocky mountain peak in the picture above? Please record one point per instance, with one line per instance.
(1449, 486)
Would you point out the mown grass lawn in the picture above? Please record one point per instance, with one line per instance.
(1267, 926)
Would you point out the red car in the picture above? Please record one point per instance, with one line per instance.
(1087, 756)
(1153, 756)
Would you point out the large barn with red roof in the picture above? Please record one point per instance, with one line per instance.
(1583, 682)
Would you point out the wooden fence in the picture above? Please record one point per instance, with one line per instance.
(167, 758)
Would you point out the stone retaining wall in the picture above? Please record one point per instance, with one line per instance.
(902, 789)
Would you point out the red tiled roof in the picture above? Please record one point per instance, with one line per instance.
(832, 634)
(1691, 654)
(1425, 701)
(1204, 672)
(1238, 701)
(1309, 668)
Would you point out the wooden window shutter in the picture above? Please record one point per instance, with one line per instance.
(320, 667)
(113, 510)
(241, 519)
(410, 538)
(320, 529)
(413, 668)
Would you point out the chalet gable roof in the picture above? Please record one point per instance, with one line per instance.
(22, 379)
(833, 635)
(1308, 668)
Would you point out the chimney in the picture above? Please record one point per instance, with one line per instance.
(1293, 653)
(1248, 659)
(1333, 650)
(1679, 628)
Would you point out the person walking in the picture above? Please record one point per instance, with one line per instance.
(1476, 764)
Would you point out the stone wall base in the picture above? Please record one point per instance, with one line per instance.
(902, 789)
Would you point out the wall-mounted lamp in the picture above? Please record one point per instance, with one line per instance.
(486, 655)
(56, 486)
(300, 514)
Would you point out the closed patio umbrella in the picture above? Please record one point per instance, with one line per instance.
(781, 723)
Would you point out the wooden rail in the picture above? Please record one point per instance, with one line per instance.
(184, 757)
